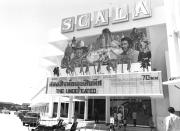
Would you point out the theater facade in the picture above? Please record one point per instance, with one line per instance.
(98, 73)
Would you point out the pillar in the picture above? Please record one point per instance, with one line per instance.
(70, 109)
(172, 25)
(153, 108)
(107, 109)
(86, 108)
(50, 114)
(59, 108)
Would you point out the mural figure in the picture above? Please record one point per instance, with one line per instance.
(135, 37)
(107, 50)
(75, 56)
(144, 55)
(129, 55)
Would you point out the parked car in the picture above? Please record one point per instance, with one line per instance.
(5, 111)
(21, 113)
(31, 119)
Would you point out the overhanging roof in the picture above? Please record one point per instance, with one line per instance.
(172, 82)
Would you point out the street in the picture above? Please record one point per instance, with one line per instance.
(10, 122)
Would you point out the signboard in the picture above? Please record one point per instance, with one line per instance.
(141, 9)
(75, 85)
(124, 84)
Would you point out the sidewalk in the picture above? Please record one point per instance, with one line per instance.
(91, 126)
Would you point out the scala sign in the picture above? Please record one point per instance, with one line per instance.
(119, 14)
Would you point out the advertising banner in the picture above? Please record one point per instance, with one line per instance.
(124, 84)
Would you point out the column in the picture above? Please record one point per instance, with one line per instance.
(86, 108)
(153, 108)
(107, 109)
(70, 109)
(172, 27)
(59, 108)
(50, 114)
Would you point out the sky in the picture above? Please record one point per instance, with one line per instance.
(24, 29)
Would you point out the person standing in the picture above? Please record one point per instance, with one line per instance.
(119, 116)
(125, 123)
(75, 123)
(144, 108)
(115, 119)
(150, 122)
(96, 115)
(172, 121)
(134, 117)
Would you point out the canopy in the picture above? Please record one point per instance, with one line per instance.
(173, 81)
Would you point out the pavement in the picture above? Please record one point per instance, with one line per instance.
(86, 126)
(12, 122)
(92, 126)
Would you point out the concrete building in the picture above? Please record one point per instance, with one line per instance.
(121, 90)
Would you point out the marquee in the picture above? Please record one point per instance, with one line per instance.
(123, 84)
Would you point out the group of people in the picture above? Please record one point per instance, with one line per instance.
(172, 122)
(132, 49)
(119, 120)
(143, 55)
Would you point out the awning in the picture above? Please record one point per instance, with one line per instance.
(173, 81)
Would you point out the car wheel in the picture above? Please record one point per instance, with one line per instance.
(23, 124)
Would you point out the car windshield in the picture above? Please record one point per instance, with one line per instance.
(23, 111)
(32, 114)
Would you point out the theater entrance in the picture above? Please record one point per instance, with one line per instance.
(129, 107)
(99, 106)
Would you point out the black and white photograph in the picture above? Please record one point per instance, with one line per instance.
(99, 65)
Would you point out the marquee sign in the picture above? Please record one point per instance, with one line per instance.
(141, 9)
(124, 84)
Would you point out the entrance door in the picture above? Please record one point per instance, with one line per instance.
(99, 105)
(55, 106)
(141, 106)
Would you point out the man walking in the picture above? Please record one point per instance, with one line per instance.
(172, 121)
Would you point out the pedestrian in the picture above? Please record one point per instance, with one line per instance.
(75, 123)
(115, 119)
(96, 115)
(119, 116)
(151, 123)
(134, 117)
(144, 108)
(125, 123)
(172, 121)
